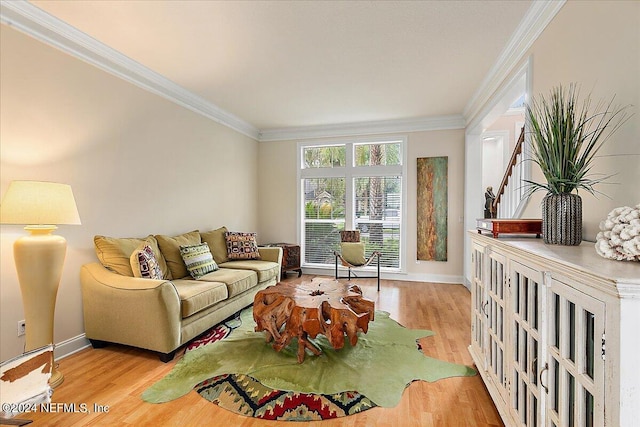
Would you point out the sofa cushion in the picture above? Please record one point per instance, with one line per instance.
(196, 295)
(115, 254)
(217, 244)
(170, 248)
(237, 281)
(241, 245)
(198, 259)
(144, 263)
(266, 270)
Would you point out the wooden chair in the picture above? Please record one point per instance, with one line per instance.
(24, 384)
(352, 256)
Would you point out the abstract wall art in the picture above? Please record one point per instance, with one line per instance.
(432, 206)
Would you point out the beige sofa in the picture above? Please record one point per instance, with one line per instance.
(163, 314)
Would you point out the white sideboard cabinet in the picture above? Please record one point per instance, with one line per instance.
(555, 332)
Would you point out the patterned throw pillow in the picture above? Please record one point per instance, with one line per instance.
(350, 236)
(242, 245)
(149, 267)
(134, 262)
(198, 260)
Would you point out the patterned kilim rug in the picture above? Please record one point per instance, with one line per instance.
(246, 396)
(233, 367)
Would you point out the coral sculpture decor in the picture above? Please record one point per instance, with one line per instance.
(619, 237)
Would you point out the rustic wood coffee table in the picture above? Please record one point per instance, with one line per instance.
(322, 306)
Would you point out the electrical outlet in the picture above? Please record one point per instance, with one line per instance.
(22, 328)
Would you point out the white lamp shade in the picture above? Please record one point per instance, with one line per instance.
(37, 202)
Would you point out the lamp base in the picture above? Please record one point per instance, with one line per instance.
(39, 260)
(56, 378)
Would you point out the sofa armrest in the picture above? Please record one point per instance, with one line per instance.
(273, 254)
(139, 312)
(118, 281)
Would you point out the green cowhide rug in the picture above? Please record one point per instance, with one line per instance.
(380, 366)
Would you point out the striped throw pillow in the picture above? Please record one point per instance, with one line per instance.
(198, 260)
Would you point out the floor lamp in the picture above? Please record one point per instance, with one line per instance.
(39, 256)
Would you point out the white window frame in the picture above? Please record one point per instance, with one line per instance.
(349, 172)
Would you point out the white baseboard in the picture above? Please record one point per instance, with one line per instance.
(431, 278)
(70, 346)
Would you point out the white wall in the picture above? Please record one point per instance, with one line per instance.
(596, 44)
(510, 122)
(138, 165)
(277, 187)
(493, 162)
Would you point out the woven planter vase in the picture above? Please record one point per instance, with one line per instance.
(562, 219)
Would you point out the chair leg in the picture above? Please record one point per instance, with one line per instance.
(378, 273)
(336, 267)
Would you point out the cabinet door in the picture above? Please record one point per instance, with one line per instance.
(526, 344)
(496, 290)
(478, 303)
(575, 358)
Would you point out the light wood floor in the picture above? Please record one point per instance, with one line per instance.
(116, 376)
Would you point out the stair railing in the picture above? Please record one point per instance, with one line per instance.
(506, 202)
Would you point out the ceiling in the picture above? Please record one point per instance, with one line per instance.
(284, 64)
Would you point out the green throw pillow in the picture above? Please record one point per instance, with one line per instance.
(217, 244)
(170, 249)
(198, 260)
(353, 252)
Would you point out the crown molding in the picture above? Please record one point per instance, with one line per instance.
(363, 128)
(35, 22)
(42, 26)
(533, 23)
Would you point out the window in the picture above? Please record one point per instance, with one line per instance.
(324, 157)
(352, 185)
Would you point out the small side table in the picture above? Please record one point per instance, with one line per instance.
(290, 257)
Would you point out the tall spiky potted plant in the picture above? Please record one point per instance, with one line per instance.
(565, 136)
